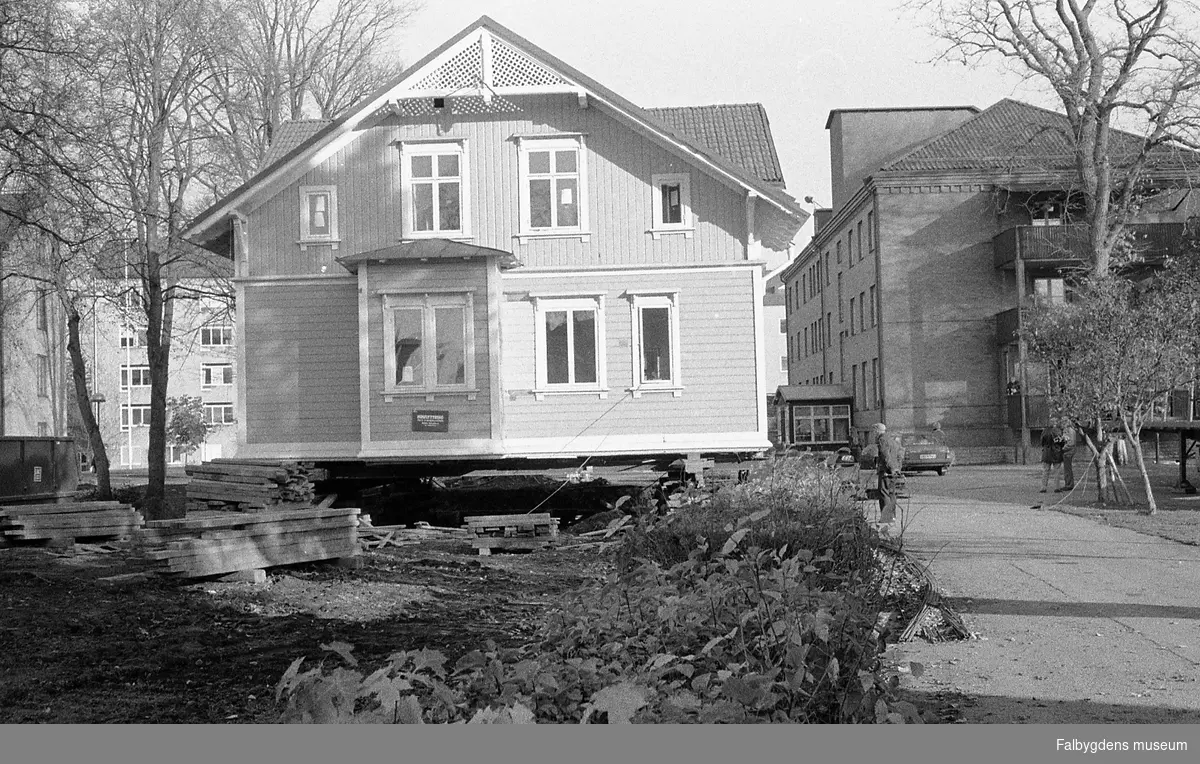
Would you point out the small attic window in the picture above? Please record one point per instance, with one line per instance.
(439, 103)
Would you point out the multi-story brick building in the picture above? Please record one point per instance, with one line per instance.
(945, 223)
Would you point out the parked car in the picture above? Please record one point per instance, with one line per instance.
(923, 452)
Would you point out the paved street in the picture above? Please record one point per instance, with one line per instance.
(1077, 621)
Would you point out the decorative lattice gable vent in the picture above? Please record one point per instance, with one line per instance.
(464, 70)
(511, 68)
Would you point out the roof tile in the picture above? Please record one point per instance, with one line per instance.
(739, 133)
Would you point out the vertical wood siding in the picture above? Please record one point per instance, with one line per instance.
(302, 369)
(392, 420)
(620, 163)
(716, 341)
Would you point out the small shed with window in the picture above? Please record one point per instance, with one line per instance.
(814, 417)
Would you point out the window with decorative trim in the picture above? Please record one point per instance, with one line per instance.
(218, 413)
(43, 376)
(569, 344)
(870, 232)
(434, 187)
(672, 204)
(429, 343)
(553, 187)
(318, 215)
(656, 356)
(216, 374)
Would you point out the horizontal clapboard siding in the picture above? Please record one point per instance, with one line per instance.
(302, 363)
(620, 165)
(392, 420)
(718, 363)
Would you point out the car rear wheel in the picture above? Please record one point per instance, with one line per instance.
(943, 470)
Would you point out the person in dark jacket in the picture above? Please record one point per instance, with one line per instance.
(1052, 455)
(888, 464)
(1069, 437)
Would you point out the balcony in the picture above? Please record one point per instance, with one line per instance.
(1065, 245)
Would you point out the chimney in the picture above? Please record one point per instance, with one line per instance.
(821, 217)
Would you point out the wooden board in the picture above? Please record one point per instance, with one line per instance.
(62, 509)
(164, 536)
(230, 560)
(204, 547)
(238, 519)
(539, 518)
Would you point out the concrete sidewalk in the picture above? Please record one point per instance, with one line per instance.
(1078, 622)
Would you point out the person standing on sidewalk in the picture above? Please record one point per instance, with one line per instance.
(1052, 455)
(888, 465)
(1069, 437)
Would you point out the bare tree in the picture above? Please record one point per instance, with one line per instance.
(295, 58)
(1127, 73)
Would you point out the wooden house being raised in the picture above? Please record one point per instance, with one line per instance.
(495, 257)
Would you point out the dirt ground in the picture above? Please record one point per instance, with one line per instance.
(77, 649)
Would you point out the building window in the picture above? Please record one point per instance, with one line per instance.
(850, 245)
(827, 269)
(132, 337)
(852, 329)
(876, 392)
(841, 303)
(214, 374)
(866, 398)
(820, 425)
(783, 326)
(870, 232)
(656, 335)
(1049, 291)
(42, 308)
(804, 287)
(134, 416)
(429, 342)
(862, 307)
(672, 204)
(553, 178)
(135, 376)
(43, 376)
(216, 335)
(1046, 213)
(318, 214)
(838, 249)
(218, 413)
(854, 383)
(874, 312)
(807, 353)
(829, 329)
(434, 187)
(570, 347)
(43, 429)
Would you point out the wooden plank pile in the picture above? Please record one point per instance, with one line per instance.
(527, 532)
(208, 543)
(249, 485)
(69, 520)
(379, 536)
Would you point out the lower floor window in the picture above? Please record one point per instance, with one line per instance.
(570, 334)
(218, 413)
(656, 335)
(820, 424)
(428, 342)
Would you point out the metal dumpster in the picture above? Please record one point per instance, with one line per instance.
(37, 468)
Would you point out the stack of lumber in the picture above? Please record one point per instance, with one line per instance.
(84, 519)
(248, 486)
(527, 532)
(211, 543)
(378, 536)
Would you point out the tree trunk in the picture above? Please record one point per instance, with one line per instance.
(84, 401)
(1135, 441)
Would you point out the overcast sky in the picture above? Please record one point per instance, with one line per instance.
(800, 59)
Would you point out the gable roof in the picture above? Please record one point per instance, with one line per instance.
(1012, 136)
(740, 132)
(522, 67)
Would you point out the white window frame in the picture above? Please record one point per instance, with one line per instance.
(215, 326)
(547, 303)
(225, 408)
(127, 375)
(687, 225)
(529, 144)
(206, 376)
(127, 411)
(132, 337)
(427, 302)
(306, 235)
(410, 149)
(668, 299)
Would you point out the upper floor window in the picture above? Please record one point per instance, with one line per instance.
(43, 376)
(134, 415)
(135, 376)
(218, 413)
(132, 337)
(434, 187)
(783, 326)
(1046, 213)
(318, 214)
(214, 374)
(1050, 291)
(672, 204)
(874, 308)
(553, 178)
(216, 335)
(429, 342)
(43, 310)
(870, 232)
